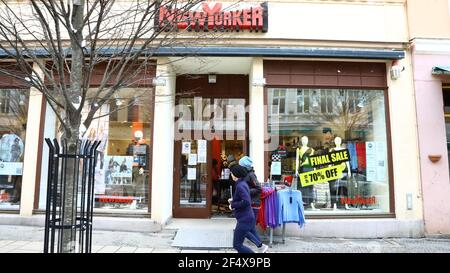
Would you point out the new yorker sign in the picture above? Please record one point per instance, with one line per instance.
(213, 18)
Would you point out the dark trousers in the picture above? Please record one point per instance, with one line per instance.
(334, 192)
(307, 192)
(307, 195)
(337, 190)
(242, 231)
(253, 234)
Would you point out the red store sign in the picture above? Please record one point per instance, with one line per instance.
(215, 18)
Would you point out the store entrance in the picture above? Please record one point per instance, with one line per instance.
(202, 178)
(210, 132)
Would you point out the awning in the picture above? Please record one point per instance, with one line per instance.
(441, 70)
(221, 51)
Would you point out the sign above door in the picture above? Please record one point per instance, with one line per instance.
(213, 18)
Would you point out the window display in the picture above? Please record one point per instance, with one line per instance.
(13, 121)
(122, 173)
(332, 146)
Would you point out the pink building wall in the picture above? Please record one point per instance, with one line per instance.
(432, 141)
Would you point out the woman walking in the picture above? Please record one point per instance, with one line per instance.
(241, 206)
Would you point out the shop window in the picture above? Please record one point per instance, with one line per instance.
(326, 121)
(13, 120)
(123, 157)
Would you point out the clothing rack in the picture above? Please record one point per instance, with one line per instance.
(272, 185)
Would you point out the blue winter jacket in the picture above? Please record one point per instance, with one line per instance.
(241, 203)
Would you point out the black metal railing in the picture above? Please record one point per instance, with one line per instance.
(70, 197)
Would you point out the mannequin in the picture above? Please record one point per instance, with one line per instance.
(301, 166)
(334, 185)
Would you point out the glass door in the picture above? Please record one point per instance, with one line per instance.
(192, 192)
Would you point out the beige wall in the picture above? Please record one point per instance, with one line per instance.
(344, 21)
(429, 19)
(405, 146)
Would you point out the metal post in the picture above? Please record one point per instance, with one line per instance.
(79, 229)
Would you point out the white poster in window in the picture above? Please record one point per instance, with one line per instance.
(118, 170)
(11, 168)
(192, 174)
(99, 131)
(381, 161)
(192, 159)
(371, 161)
(202, 148)
(275, 168)
(185, 148)
(11, 148)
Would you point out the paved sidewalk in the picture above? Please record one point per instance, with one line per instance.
(25, 239)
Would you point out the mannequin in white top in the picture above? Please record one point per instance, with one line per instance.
(301, 150)
(299, 155)
(338, 143)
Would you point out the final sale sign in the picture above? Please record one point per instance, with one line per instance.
(329, 168)
(213, 18)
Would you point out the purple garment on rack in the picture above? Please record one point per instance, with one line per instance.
(264, 214)
(271, 210)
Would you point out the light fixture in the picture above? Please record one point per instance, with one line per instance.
(212, 78)
(396, 70)
(119, 102)
(138, 135)
(159, 81)
(259, 82)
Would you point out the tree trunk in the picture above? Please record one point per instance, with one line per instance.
(70, 194)
(74, 120)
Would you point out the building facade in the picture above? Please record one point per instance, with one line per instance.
(300, 78)
(431, 51)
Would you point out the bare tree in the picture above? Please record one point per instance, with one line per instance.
(60, 45)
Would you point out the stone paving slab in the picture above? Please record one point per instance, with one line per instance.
(143, 250)
(161, 242)
(109, 249)
(126, 249)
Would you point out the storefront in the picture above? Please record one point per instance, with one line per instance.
(336, 84)
(432, 99)
(298, 80)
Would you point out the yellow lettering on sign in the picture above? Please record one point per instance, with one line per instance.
(341, 156)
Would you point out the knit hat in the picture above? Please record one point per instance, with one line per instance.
(246, 162)
(238, 171)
